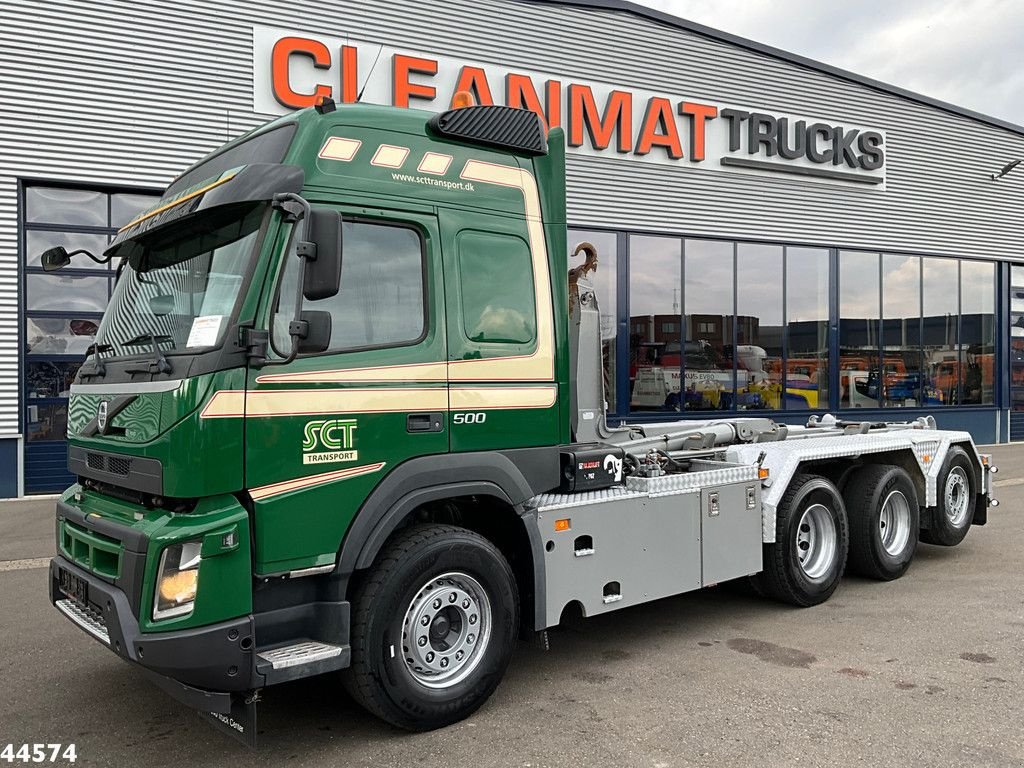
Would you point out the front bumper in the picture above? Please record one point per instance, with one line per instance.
(201, 667)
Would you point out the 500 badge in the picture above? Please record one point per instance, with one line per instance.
(329, 441)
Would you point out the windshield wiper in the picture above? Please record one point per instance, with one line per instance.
(160, 363)
(98, 369)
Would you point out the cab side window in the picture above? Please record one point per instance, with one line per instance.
(382, 298)
(496, 286)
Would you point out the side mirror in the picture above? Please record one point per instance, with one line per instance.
(313, 331)
(322, 277)
(55, 258)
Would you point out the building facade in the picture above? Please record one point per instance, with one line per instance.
(775, 236)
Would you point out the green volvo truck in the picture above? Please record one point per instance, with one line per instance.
(345, 413)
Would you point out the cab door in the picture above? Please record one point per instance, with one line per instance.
(323, 430)
(501, 351)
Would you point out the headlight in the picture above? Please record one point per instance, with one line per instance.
(177, 580)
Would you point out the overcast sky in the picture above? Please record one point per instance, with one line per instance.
(967, 52)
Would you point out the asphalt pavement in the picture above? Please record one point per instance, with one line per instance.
(927, 670)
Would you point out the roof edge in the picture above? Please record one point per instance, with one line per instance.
(793, 58)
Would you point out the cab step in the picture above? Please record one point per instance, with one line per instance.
(301, 659)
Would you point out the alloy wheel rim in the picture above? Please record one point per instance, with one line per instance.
(894, 523)
(956, 492)
(816, 542)
(446, 630)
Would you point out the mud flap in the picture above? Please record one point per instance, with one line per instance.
(240, 722)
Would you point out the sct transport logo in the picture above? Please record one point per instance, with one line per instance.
(329, 441)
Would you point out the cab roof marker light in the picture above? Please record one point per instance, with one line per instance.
(390, 156)
(340, 148)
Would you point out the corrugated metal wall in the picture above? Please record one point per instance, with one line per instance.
(102, 91)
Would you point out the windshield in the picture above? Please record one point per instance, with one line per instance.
(179, 286)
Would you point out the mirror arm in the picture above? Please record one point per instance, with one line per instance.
(296, 208)
(97, 259)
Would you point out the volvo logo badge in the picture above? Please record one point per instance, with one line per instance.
(101, 416)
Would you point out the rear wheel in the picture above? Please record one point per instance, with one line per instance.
(884, 520)
(433, 628)
(953, 515)
(804, 565)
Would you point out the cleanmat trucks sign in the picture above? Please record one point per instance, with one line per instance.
(292, 71)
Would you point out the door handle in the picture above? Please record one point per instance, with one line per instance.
(425, 422)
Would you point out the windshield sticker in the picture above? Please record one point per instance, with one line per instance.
(205, 330)
(328, 441)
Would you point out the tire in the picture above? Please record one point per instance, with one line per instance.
(811, 505)
(885, 519)
(957, 492)
(389, 675)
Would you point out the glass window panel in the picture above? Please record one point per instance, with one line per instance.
(36, 242)
(807, 316)
(46, 422)
(759, 326)
(66, 292)
(941, 309)
(900, 380)
(605, 283)
(59, 335)
(1017, 338)
(977, 332)
(496, 286)
(655, 322)
(382, 269)
(708, 359)
(52, 205)
(127, 207)
(49, 379)
(859, 326)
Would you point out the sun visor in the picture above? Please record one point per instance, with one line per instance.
(245, 184)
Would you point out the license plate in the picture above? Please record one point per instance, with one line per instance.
(73, 586)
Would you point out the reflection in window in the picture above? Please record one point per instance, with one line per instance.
(977, 332)
(940, 339)
(807, 315)
(37, 241)
(381, 269)
(759, 326)
(496, 287)
(53, 205)
(604, 281)
(708, 348)
(859, 327)
(65, 292)
(46, 422)
(44, 378)
(655, 322)
(59, 335)
(1017, 338)
(899, 384)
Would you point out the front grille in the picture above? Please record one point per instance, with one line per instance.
(92, 551)
(115, 465)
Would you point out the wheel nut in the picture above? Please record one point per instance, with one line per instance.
(472, 618)
(459, 655)
(422, 641)
(425, 621)
(437, 603)
(444, 663)
(470, 638)
(465, 603)
(430, 657)
(452, 597)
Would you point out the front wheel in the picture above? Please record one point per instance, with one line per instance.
(433, 628)
(805, 563)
